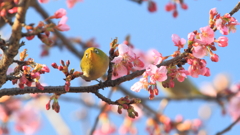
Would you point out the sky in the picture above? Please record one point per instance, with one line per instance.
(105, 20)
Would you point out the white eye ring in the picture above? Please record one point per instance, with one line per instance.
(95, 50)
(86, 55)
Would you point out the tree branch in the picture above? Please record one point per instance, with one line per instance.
(65, 41)
(228, 128)
(14, 44)
(92, 89)
(235, 9)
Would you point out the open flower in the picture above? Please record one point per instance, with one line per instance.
(62, 26)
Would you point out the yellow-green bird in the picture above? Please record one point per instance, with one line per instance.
(94, 64)
(183, 89)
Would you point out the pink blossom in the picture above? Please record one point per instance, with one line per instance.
(150, 70)
(35, 75)
(152, 6)
(27, 120)
(197, 67)
(13, 10)
(221, 27)
(62, 26)
(154, 56)
(3, 12)
(45, 69)
(177, 41)
(232, 23)
(218, 23)
(181, 75)
(214, 57)
(59, 13)
(191, 36)
(126, 52)
(159, 74)
(39, 86)
(138, 63)
(175, 13)
(199, 51)
(207, 35)
(207, 73)
(170, 6)
(222, 41)
(184, 6)
(71, 3)
(143, 83)
(224, 30)
(234, 106)
(213, 12)
(43, 1)
(119, 69)
(23, 79)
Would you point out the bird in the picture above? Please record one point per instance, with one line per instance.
(94, 64)
(185, 89)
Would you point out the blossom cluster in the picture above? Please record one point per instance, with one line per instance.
(43, 30)
(26, 118)
(168, 125)
(8, 6)
(30, 72)
(70, 75)
(172, 6)
(125, 61)
(200, 44)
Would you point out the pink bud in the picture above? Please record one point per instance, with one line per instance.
(60, 13)
(191, 36)
(214, 57)
(60, 68)
(39, 86)
(13, 10)
(175, 13)
(207, 72)
(184, 6)
(152, 6)
(54, 65)
(169, 7)
(43, 1)
(45, 69)
(222, 41)
(48, 106)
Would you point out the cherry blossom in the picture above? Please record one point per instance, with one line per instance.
(222, 41)
(62, 26)
(206, 35)
(179, 42)
(59, 13)
(71, 3)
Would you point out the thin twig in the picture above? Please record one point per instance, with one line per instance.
(228, 128)
(64, 40)
(101, 111)
(235, 9)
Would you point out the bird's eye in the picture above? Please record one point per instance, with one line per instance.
(96, 51)
(86, 55)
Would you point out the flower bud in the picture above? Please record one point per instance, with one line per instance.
(54, 65)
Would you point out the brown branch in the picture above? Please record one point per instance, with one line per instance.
(14, 44)
(92, 89)
(64, 40)
(235, 9)
(101, 111)
(228, 128)
(7, 20)
(11, 77)
(2, 21)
